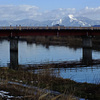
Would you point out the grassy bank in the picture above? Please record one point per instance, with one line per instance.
(48, 79)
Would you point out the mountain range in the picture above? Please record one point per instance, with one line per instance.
(70, 20)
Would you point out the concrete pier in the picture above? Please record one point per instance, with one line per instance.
(14, 53)
(13, 60)
(87, 42)
(87, 56)
(14, 45)
(87, 51)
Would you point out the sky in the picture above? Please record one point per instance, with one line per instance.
(48, 9)
(54, 4)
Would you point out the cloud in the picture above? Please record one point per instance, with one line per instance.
(18, 12)
(12, 12)
(92, 13)
(57, 13)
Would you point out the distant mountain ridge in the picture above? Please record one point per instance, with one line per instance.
(70, 20)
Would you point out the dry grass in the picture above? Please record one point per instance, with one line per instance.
(31, 94)
(45, 79)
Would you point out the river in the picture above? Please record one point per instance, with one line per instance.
(30, 54)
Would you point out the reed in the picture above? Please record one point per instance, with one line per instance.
(45, 78)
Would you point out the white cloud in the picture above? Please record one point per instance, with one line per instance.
(12, 12)
(58, 13)
(92, 13)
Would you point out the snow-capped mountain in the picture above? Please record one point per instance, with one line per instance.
(73, 19)
(69, 20)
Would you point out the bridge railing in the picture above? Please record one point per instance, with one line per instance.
(47, 28)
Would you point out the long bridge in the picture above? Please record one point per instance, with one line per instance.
(48, 31)
(17, 31)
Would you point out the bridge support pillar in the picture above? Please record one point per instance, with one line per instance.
(87, 42)
(14, 45)
(14, 53)
(87, 56)
(87, 51)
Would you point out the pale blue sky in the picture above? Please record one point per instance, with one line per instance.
(54, 4)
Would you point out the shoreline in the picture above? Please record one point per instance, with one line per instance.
(45, 80)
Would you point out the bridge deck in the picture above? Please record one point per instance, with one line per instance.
(47, 28)
(48, 31)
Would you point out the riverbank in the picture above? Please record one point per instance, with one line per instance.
(46, 79)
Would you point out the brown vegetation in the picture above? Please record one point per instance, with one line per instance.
(46, 79)
(71, 41)
(55, 40)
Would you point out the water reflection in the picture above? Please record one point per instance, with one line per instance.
(38, 54)
(4, 53)
(82, 74)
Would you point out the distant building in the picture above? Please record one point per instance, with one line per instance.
(58, 25)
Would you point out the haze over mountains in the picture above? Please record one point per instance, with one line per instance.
(70, 20)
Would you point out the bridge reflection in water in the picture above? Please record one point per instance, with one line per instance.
(86, 55)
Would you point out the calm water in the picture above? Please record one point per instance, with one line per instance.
(89, 74)
(37, 54)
